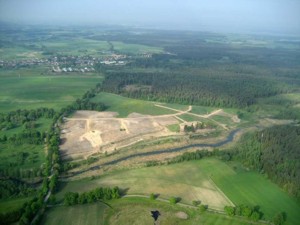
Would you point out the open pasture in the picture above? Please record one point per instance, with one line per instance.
(9, 205)
(128, 211)
(28, 89)
(135, 48)
(124, 106)
(209, 180)
(185, 180)
(92, 214)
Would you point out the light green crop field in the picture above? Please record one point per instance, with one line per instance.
(243, 187)
(224, 120)
(124, 106)
(135, 48)
(9, 205)
(32, 90)
(19, 53)
(174, 127)
(196, 180)
(90, 214)
(77, 46)
(176, 106)
(202, 110)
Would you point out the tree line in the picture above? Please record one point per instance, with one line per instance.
(246, 211)
(74, 198)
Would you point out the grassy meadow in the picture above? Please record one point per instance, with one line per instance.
(124, 106)
(186, 179)
(77, 215)
(32, 90)
(199, 180)
(9, 205)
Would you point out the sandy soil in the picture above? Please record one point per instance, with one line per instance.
(89, 132)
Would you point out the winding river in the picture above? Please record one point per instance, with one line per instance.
(228, 139)
(178, 149)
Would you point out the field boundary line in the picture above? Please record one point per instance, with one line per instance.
(222, 193)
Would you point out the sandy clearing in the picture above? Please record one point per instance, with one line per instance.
(181, 215)
(90, 132)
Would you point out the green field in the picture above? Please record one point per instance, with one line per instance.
(33, 90)
(92, 214)
(191, 180)
(202, 110)
(174, 127)
(124, 106)
(135, 48)
(12, 204)
(186, 179)
(19, 159)
(244, 187)
(77, 46)
(133, 211)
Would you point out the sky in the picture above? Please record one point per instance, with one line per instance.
(235, 16)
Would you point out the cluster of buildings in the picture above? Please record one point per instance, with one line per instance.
(68, 64)
(22, 62)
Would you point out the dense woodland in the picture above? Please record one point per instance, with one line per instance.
(275, 152)
(209, 90)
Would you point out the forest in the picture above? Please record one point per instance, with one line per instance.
(275, 152)
(208, 90)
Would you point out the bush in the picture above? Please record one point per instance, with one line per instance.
(279, 218)
(203, 208)
(152, 196)
(195, 203)
(173, 200)
(229, 210)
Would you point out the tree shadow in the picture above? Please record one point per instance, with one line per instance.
(155, 214)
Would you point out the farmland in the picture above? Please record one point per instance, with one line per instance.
(28, 89)
(133, 211)
(196, 180)
(160, 94)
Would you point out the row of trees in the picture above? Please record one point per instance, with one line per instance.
(194, 128)
(199, 154)
(249, 212)
(73, 198)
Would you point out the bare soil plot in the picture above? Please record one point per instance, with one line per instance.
(89, 132)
